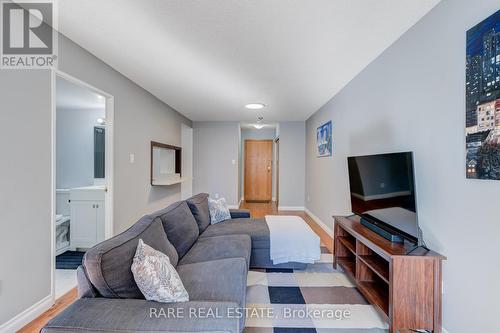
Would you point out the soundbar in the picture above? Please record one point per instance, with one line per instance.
(381, 231)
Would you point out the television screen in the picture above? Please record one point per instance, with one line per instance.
(383, 190)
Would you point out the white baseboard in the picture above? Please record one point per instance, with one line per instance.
(27, 315)
(233, 206)
(290, 208)
(319, 222)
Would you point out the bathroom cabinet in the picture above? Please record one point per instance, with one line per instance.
(87, 216)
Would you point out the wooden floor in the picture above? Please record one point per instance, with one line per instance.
(61, 303)
(257, 210)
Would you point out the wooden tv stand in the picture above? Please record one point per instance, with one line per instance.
(405, 287)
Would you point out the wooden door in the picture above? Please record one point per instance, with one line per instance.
(258, 170)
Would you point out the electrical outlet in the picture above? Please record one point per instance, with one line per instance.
(308, 198)
(132, 158)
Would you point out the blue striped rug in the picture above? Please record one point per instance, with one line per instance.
(69, 260)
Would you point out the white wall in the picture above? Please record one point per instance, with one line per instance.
(25, 195)
(292, 164)
(75, 146)
(256, 134)
(413, 98)
(215, 148)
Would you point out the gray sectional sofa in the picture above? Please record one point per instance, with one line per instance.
(211, 260)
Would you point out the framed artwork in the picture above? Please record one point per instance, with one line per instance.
(482, 99)
(324, 139)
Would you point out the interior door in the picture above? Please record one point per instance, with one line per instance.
(258, 170)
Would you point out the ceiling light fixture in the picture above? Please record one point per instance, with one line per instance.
(259, 124)
(255, 106)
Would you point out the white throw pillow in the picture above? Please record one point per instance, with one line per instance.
(218, 210)
(155, 276)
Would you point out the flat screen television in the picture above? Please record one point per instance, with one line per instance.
(382, 189)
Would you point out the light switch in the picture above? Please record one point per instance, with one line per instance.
(233, 162)
(132, 158)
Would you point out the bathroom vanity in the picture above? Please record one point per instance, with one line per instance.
(87, 216)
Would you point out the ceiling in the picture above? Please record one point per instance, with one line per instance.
(207, 59)
(72, 96)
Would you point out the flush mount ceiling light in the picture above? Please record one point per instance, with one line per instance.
(255, 106)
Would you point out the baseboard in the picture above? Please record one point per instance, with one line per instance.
(233, 206)
(27, 316)
(319, 222)
(290, 208)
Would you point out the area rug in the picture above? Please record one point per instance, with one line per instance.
(69, 260)
(317, 299)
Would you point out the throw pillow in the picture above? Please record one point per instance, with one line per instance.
(155, 276)
(218, 210)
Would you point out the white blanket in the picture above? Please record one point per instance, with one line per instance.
(292, 240)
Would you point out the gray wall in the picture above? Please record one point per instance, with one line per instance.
(75, 146)
(413, 98)
(139, 118)
(292, 164)
(215, 147)
(25, 199)
(26, 109)
(256, 134)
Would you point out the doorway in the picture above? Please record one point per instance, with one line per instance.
(277, 171)
(187, 161)
(258, 170)
(82, 175)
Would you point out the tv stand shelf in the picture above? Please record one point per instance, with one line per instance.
(404, 282)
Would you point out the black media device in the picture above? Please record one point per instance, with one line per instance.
(383, 194)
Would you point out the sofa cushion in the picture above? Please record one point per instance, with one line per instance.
(180, 226)
(257, 229)
(104, 315)
(219, 247)
(218, 280)
(156, 277)
(218, 210)
(198, 205)
(108, 263)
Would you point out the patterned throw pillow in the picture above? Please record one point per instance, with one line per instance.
(155, 276)
(218, 210)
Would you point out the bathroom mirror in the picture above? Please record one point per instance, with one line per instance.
(165, 164)
(99, 152)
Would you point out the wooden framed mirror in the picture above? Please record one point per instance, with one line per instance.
(165, 164)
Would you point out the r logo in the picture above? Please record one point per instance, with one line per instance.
(27, 28)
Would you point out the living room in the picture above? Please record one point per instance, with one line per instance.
(209, 89)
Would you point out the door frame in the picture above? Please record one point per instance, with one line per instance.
(245, 161)
(109, 167)
(277, 171)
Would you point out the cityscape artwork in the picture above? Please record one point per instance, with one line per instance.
(483, 99)
(324, 139)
